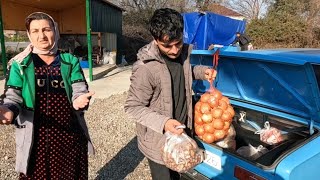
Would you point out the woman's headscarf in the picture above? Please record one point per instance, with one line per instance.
(30, 48)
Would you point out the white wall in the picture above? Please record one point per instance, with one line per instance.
(15, 46)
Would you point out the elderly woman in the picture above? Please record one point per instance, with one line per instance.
(45, 95)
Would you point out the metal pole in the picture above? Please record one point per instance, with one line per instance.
(88, 18)
(3, 48)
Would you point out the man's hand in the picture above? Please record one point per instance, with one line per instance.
(211, 47)
(171, 125)
(82, 101)
(6, 115)
(210, 74)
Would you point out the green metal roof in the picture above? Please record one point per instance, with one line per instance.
(105, 17)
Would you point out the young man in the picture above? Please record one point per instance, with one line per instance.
(243, 40)
(160, 94)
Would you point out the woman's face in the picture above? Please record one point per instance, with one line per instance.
(41, 34)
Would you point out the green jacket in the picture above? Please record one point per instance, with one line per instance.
(22, 76)
(20, 98)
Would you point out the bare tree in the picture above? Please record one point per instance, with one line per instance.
(202, 5)
(251, 9)
(182, 5)
(312, 18)
(141, 5)
(136, 17)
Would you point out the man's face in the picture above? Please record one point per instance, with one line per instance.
(238, 35)
(172, 48)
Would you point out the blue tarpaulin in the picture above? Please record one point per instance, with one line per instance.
(202, 30)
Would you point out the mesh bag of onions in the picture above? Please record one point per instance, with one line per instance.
(213, 116)
(180, 153)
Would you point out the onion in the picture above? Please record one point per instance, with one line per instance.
(199, 130)
(205, 108)
(223, 105)
(230, 110)
(219, 134)
(213, 102)
(217, 113)
(198, 106)
(208, 128)
(197, 119)
(205, 97)
(217, 94)
(218, 124)
(206, 118)
(208, 138)
(226, 116)
(225, 99)
(226, 125)
(197, 113)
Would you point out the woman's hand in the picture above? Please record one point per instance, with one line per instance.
(82, 101)
(6, 115)
(210, 74)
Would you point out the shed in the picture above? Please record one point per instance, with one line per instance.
(224, 11)
(74, 17)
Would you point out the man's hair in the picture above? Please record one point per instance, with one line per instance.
(166, 22)
(37, 16)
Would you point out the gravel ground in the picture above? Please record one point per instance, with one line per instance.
(117, 156)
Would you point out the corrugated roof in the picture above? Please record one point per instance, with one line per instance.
(56, 6)
(222, 10)
(112, 4)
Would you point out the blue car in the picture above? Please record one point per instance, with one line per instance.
(279, 87)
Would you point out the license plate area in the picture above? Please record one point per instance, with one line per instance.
(213, 160)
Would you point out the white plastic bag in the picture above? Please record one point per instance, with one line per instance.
(109, 57)
(270, 135)
(252, 152)
(105, 56)
(181, 153)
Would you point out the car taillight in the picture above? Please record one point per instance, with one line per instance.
(243, 174)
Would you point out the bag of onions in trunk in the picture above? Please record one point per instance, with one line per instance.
(213, 116)
(270, 135)
(180, 153)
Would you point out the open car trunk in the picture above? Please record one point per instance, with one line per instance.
(279, 90)
(247, 123)
(293, 135)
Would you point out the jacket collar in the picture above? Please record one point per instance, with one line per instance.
(27, 61)
(151, 52)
